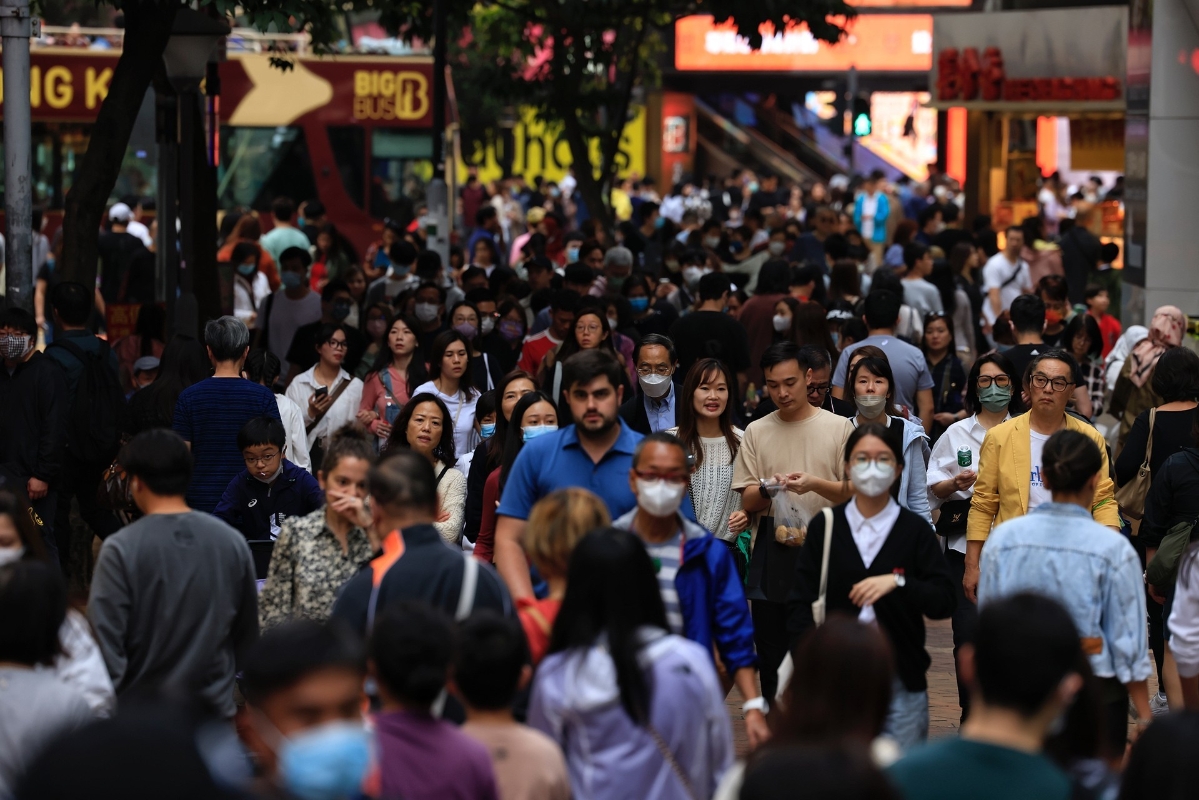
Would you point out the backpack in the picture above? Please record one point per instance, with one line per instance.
(99, 415)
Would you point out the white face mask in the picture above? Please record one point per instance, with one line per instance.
(654, 385)
(660, 498)
(613, 322)
(691, 276)
(776, 248)
(11, 555)
(871, 406)
(872, 479)
(486, 325)
(426, 312)
(781, 323)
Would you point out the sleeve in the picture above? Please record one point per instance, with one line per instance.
(842, 364)
(227, 508)
(938, 305)
(275, 602)
(485, 542)
(81, 664)
(984, 505)
(476, 481)
(918, 480)
(942, 462)
(543, 716)
(526, 360)
(732, 624)
(270, 406)
(1133, 454)
(108, 608)
(1025, 276)
(521, 490)
(452, 498)
(245, 624)
(372, 389)
(181, 422)
(1158, 506)
(931, 589)
(295, 393)
(53, 408)
(297, 439)
(1104, 508)
(1123, 619)
(990, 277)
(807, 581)
(745, 465)
(351, 604)
(1184, 617)
(924, 378)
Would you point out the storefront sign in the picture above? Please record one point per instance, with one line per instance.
(967, 76)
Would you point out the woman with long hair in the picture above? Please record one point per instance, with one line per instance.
(873, 386)
(426, 427)
(1134, 386)
(884, 567)
(535, 414)
(505, 342)
(845, 281)
(184, 362)
(956, 307)
(649, 315)
(590, 332)
(466, 319)
(949, 376)
(397, 369)
(355, 280)
(638, 711)
(375, 328)
(330, 256)
(452, 382)
(490, 452)
(1084, 341)
(784, 314)
(809, 325)
(965, 261)
(329, 396)
(249, 230)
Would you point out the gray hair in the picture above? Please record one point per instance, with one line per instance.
(618, 257)
(227, 337)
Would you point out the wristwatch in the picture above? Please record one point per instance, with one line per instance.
(900, 581)
(756, 704)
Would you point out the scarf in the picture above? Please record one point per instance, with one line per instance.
(1165, 331)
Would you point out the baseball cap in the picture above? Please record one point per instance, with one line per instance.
(145, 364)
(120, 213)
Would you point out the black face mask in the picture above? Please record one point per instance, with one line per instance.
(341, 310)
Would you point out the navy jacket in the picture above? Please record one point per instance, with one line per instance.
(248, 504)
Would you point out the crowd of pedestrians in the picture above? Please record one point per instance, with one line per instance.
(518, 525)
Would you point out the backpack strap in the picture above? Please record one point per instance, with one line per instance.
(470, 585)
(72, 348)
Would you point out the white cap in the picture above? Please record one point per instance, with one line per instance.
(120, 213)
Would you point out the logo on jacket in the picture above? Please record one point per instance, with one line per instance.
(252, 503)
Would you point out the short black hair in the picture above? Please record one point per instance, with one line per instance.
(404, 479)
(779, 353)
(283, 208)
(159, 459)
(1053, 354)
(913, 252)
(656, 340)
(881, 309)
(332, 288)
(1024, 646)
(491, 654)
(949, 213)
(1053, 287)
(814, 357)
(401, 252)
(661, 437)
(929, 214)
(1109, 252)
(578, 274)
(295, 255)
(484, 214)
(33, 604)
(261, 430)
(1093, 290)
(243, 251)
(836, 246)
(713, 286)
(565, 300)
(587, 365)
(480, 295)
(72, 301)
(324, 332)
(1028, 313)
(1070, 460)
(287, 653)
(412, 646)
(1176, 375)
(19, 318)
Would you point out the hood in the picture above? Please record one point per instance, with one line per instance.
(590, 674)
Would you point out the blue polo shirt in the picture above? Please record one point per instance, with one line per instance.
(557, 461)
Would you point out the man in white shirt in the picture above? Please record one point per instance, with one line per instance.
(1005, 276)
(918, 292)
(134, 227)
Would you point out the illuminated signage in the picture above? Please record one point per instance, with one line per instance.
(966, 76)
(382, 94)
(874, 42)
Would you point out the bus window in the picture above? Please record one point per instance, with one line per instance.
(259, 164)
(400, 168)
(348, 143)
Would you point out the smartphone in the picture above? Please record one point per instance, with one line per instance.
(321, 392)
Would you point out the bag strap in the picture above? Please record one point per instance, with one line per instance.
(1149, 444)
(557, 382)
(671, 761)
(1014, 275)
(337, 390)
(470, 584)
(539, 619)
(828, 546)
(441, 475)
(72, 348)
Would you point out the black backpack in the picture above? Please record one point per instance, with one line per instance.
(99, 415)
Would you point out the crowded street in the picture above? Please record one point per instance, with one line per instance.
(538, 400)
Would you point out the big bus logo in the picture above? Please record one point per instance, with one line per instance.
(384, 95)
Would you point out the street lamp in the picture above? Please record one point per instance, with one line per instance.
(194, 39)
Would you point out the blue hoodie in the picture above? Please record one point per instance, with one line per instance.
(258, 509)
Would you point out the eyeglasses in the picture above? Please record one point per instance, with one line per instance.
(338, 344)
(645, 370)
(861, 460)
(653, 476)
(1040, 381)
(263, 460)
(1002, 381)
(819, 388)
(593, 328)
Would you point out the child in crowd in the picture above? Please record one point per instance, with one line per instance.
(1098, 302)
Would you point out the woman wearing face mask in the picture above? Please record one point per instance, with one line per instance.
(648, 316)
(426, 427)
(873, 383)
(465, 318)
(624, 335)
(80, 664)
(490, 452)
(884, 567)
(784, 310)
(534, 415)
(355, 281)
(375, 329)
(952, 470)
(395, 371)
(505, 342)
(250, 286)
(590, 332)
(485, 256)
(318, 552)
(453, 384)
(949, 378)
(485, 417)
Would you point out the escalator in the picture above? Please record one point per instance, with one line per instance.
(724, 145)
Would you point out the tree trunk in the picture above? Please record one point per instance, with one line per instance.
(594, 191)
(207, 281)
(147, 30)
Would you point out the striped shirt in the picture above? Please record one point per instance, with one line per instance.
(667, 557)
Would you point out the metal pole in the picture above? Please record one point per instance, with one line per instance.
(15, 30)
(187, 310)
(437, 227)
(851, 95)
(166, 256)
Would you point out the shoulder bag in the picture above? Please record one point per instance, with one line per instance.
(819, 607)
(1131, 496)
(317, 451)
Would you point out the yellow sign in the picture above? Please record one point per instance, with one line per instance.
(541, 150)
(384, 95)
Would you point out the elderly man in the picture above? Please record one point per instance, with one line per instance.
(618, 265)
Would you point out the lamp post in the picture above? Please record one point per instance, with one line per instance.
(194, 38)
(16, 28)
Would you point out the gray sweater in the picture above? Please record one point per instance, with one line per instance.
(174, 604)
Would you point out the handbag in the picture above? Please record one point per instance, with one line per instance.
(819, 608)
(952, 521)
(1163, 569)
(1131, 496)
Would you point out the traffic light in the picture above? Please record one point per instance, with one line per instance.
(861, 116)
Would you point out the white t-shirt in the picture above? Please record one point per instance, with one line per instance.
(1011, 281)
(869, 209)
(462, 415)
(286, 317)
(1038, 492)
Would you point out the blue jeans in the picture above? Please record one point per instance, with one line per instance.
(907, 718)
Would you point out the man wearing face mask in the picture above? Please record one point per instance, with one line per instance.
(336, 302)
(617, 266)
(696, 575)
(651, 409)
(302, 719)
(293, 305)
(33, 419)
(399, 277)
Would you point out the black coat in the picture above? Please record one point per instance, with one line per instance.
(34, 408)
(632, 411)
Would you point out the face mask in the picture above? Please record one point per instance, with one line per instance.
(555, 192)
(466, 329)
(616, 281)
(836, 340)
(572, 255)
(871, 406)
(1052, 317)
(995, 398)
(327, 762)
(752, 187)
(399, 270)
(246, 270)
(776, 248)
(691, 276)
(639, 304)
(15, 347)
(291, 280)
(486, 325)
(660, 498)
(872, 480)
(655, 386)
(531, 432)
(511, 330)
(736, 247)
(341, 310)
(11, 555)
(426, 312)
(612, 323)
(376, 328)
(781, 323)
(659, 222)
(487, 430)
(712, 242)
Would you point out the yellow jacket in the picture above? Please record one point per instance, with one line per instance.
(1004, 467)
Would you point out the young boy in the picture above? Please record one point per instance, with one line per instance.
(1098, 302)
(269, 490)
(491, 667)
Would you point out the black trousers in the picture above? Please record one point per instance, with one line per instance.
(965, 624)
(80, 480)
(771, 640)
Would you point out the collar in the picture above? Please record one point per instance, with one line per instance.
(665, 399)
(308, 377)
(625, 443)
(1068, 509)
(883, 519)
(976, 425)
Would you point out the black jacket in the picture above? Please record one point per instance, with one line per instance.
(33, 419)
(1173, 497)
(632, 411)
(929, 590)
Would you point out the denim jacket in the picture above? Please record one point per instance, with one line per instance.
(1060, 551)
